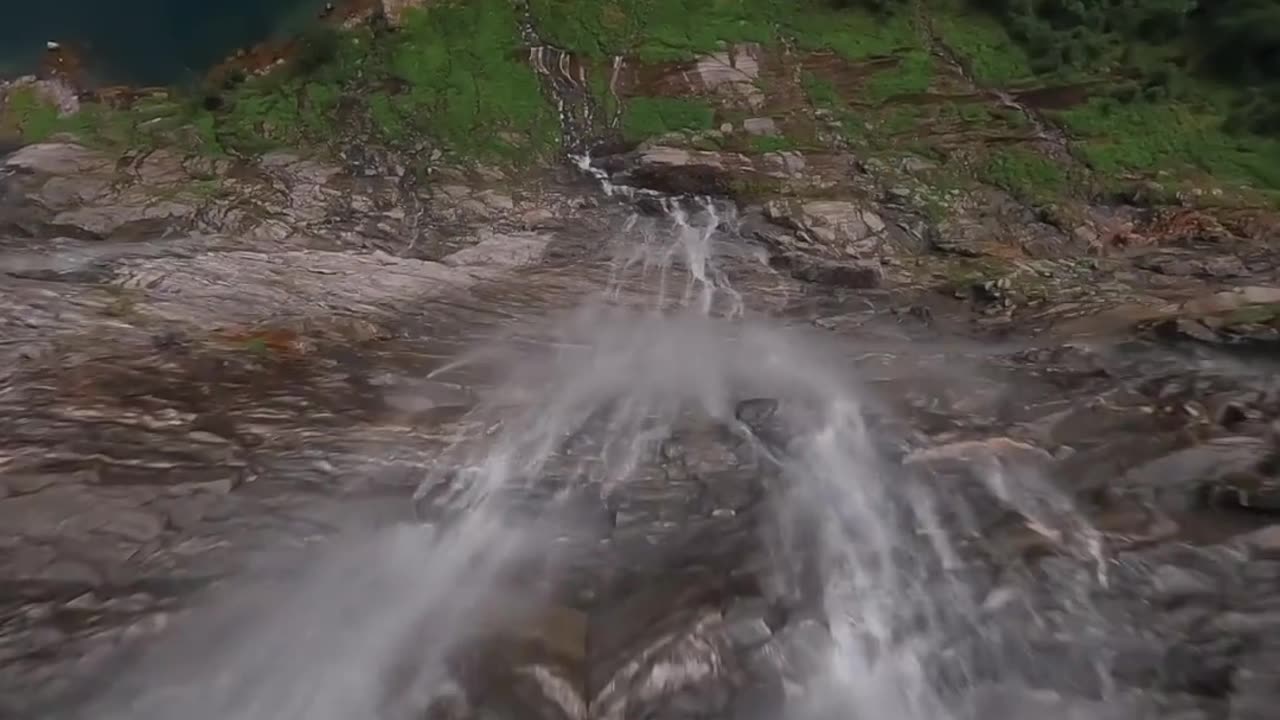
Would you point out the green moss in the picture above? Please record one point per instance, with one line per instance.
(1253, 315)
(772, 143)
(754, 187)
(1025, 174)
(646, 117)
(30, 117)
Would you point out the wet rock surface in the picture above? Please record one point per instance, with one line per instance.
(200, 362)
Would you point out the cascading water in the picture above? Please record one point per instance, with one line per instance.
(368, 632)
(885, 559)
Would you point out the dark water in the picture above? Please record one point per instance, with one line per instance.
(143, 41)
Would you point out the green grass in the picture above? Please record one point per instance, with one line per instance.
(654, 30)
(821, 92)
(1253, 314)
(993, 57)
(1140, 137)
(1025, 174)
(912, 74)
(772, 143)
(646, 117)
(467, 85)
(901, 118)
(388, 121)
(852, 33)
(857, 34)
(604, 97)
(664, 30)
(29, 117)
(453, 75)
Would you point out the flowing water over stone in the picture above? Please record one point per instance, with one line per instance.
(815, 566)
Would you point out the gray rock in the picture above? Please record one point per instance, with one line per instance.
(1264, 543)
(842, 227)
(745, 623)
(1172, 583)
(74, 511)
(1180, 480)
(799, 648)
(760, 126)
(855, 275)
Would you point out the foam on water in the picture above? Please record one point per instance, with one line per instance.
(366, 631)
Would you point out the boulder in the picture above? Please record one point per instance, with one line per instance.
(853, 275)
(1245, 316)
(760, 126)
(732, 75)
(1224, 470)
(835, 226)
(682, 172)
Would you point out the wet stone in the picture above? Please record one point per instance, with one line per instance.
(1180, 480)
(1264, 543)
(731, 490)
(745, 623)
(853, 275)
(797, 650)
(1174, 584)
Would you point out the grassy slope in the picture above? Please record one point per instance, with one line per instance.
(454, 78)
(1165, 123)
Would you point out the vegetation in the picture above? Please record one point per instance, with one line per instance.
(661, 30)
(654, 30)
(646, 117)
(912, 74)
(984, 45)
(854, 33)
(772, 143)
(1157, 45)
(822, 93)
(1025, 174)
(452, 76)
(29, 117)
(1122, 138)
(1186, 86)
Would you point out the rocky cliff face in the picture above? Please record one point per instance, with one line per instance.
(204, 354)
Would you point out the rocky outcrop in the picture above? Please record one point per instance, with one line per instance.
(201, 355)
(56, 91)
(832, 227)
(67, 190)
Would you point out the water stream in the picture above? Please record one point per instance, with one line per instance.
(885, 559)
(897, 612)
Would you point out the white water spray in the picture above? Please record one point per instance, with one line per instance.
(368, 632)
